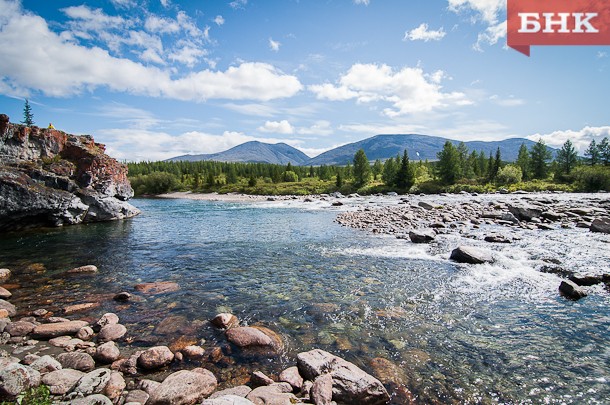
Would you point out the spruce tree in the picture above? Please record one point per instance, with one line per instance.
(362, 168)
(448, 167)
(523, 161)
(339, 180)
(604, 151)
(405, 178)
(389, 172)
(539, 155)
(28, 116)
(567, 158)
(593, 153)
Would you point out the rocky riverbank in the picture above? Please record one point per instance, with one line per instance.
(51, 178)
(85, 361)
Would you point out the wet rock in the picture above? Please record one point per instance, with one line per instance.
(51, 330)
(497, 239)
(148, 386)
(524, 212)
(291, 376)
(171, 325)
(155, 357)
(259, 379)
(77, 361)
(65, 342)
(5, 274)
(10, 308)
(83, 269)
(137, 396)
(184, 387)
(46, 364)
(601, 225)
(586, 280)
(336, 203)
(4, 293)
(62, 381)
(322, 390)
(122, 296)
(225, 321)
(85, 333)
(426, 236)
(350, 383)
(17, 378)
(193, 352)
(276, 394)
(128, 366)
(107, 353)
(96, 399)
(106, 319)
(228, 400)
(160, 287)
(248, 336)
(572, 291)
(239, 391)
(115, 386)
(19, 328)
(80, 307)
(93, 382)
(425, 205)
(111, 332)
(471, 255)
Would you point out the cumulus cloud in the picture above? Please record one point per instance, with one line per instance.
(70, 68)
(408, 90)
(364, 2)
(321, 127)
(219, 20)
(422, 33)
(238, 4)
(492, 35)
(580, 138)
(487, 11)
(278, 127)
(274, 45)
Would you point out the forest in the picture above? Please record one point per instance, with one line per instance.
(456, 169)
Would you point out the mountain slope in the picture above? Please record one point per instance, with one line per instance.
(419, 147)
(253, 151)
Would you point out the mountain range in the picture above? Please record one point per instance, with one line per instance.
(419, 147)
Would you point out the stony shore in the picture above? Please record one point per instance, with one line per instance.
(90, 362)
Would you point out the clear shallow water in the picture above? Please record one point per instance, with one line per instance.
(463, 334)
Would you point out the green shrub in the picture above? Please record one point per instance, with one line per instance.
(154, 183)
(33, 396)
(592, 178)
(509, 174)
(290, 177)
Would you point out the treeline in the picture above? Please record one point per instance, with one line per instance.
(456, 169)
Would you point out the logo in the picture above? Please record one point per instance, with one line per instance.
(557, 22)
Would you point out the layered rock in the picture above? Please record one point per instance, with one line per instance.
(51, 178)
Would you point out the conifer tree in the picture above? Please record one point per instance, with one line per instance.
(523, 161)
(389, 172)
(604, 151)
(539, 155)
(448, 167)
(567, 158)
(362, 168)
(28, 116)
(405, 178)
(593, 153)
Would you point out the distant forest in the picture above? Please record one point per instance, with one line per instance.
(457, 169)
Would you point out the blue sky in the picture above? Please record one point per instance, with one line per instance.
(153, 79)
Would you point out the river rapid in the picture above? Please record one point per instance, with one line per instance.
(490, 333)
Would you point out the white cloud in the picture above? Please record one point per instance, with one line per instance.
(278, 127)
(602, 55)
(165, 3)
(258, 110)
(188, 54)
(422, 33)
(161, 25)
(219, 20)
(321, 127)
(238, 4)
(510, 101)
(581, 138)
(123, 3)
(88, 19)
(274, 45)
(487, 10)
(365, 2)
(492, 35)
(85, 69)
(408, 90)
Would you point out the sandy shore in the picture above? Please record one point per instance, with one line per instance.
(230, 197)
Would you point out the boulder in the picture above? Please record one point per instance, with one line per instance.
(122, 296)
(85, 333)
(155, 357)
(62, 381)
(601, 225)
(497, 239)
(77, 361)
(19, 328)
(524, 212)
(46, 364)
(107, 319)
(5, 274)
(239, 391)
(471, 255)
(70, 309)
(95, 399)
(251, 336)
(65, 342)
(193, 352)
(83, 269)
(425, 236)
(111, 332)
(225, 321)
(259, 378)
(51, 330)
(159, 287)
(570, 290)
(276, 394)
(184, 387)
(350, 383)
(137, 396)
(228, 400)
(93, 382)
(586, 280)
(425, 205)
(17, 378)
(10, 308)
(322, 390)
(115, 386)
(4, 293)
(107, 353)
(291, 376)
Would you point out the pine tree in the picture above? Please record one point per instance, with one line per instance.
(482, 163)
(604, 151)
(567, 158)
(497, 164)
(389, 172)
(405, 178)
(362, 168)
(28, 116)
(339, 180)
(539, 155)
(448, 167)
(523, 161)
(377, 169)
(593, 153)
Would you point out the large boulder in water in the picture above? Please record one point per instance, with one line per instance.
(350, 384)
(51, 178)
(524, 212)
(471, 255)
(601, 225)
(570, 290)
(254, 336)
(184, 387)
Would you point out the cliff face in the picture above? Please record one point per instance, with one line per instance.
(50, 178)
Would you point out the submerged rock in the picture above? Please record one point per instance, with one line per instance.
(426, 236)
(570, 290)
(51, 330)
(184, 387)
(251, 336)
(601, 225)
(471, 255)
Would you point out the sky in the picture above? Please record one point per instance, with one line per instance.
(154, 79)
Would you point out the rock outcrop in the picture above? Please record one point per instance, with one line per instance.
(51, 178)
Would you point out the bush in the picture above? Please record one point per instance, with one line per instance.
(290, 177)
(33, 396)
(154, 183)
(509, 174)
(591, 178)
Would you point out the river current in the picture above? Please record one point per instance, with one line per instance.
(496, 333)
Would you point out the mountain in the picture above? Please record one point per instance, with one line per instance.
(254, 151)
(419, 147)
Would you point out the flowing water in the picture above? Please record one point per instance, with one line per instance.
(455, 334)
